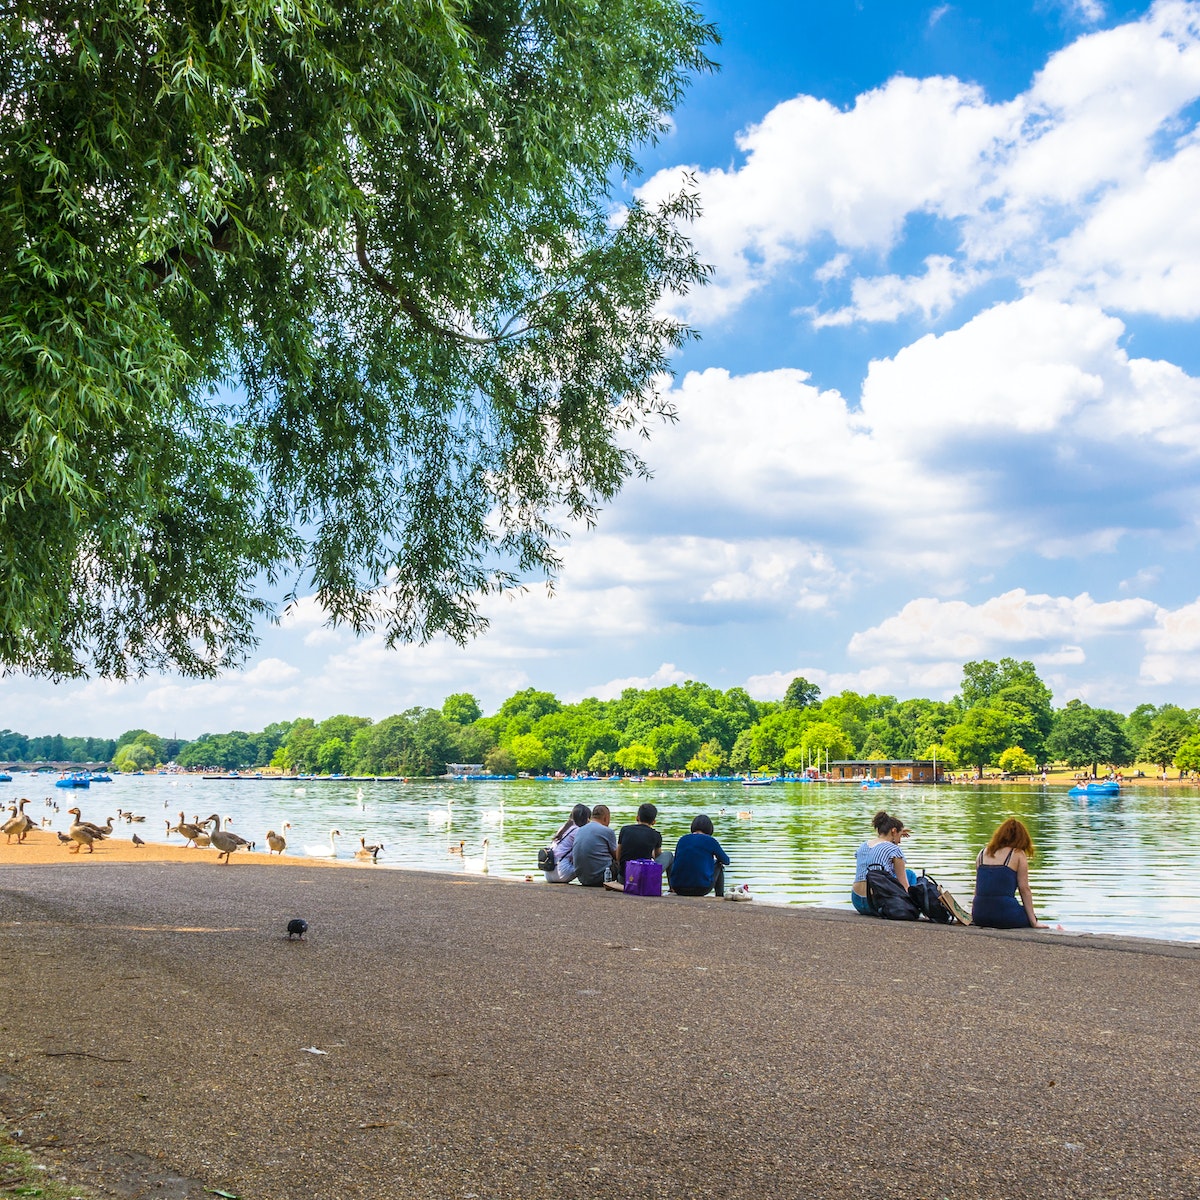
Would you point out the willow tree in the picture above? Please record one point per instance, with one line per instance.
(318, 295)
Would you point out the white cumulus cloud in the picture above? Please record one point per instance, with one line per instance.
(928, 628)
(1084, 159)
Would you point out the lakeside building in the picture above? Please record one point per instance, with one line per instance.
(898, 770)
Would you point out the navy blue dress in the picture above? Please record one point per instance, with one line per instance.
(996, 905)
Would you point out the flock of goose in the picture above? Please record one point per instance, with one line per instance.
(206, 833)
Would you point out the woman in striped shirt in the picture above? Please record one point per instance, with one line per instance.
(884, 850)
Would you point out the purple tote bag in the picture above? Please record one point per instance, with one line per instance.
(643, 877)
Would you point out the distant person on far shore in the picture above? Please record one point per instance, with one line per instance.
(1001, 870)
(882, 850)
(596, 849)
(642, 840)
(700, 861)
(562, 845)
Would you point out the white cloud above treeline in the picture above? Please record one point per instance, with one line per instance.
(1081, 186)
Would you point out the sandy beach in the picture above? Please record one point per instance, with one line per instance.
(42, 847)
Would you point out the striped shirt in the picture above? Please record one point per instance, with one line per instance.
(882, 853)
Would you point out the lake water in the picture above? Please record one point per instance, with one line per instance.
(1129, 864)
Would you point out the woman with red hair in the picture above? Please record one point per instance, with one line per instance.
(1001, 870)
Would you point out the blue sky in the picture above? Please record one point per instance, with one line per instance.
(946, 404)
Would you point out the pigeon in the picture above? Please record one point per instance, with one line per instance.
(297, 927)
(137, 841)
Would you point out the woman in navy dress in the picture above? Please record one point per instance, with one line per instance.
(1002, 871)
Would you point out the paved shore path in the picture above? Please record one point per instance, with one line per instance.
(482, 1038)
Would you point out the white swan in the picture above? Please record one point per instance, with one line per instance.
(439, 816)
(320, 851)
(493, 816)
(359, 796)
(478, 866)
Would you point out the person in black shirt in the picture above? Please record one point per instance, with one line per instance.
(642, 841)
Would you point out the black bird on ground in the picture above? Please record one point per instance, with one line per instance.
(297, 927)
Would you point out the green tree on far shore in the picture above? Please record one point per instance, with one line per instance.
(462, 708)
(801, 694)
(1170, 729)
(1014, 761)
(1187, 757)
(1085, 737)
(708, 760)
(636, 758)
(135, 756)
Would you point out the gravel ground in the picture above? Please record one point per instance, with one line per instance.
(482, 1038)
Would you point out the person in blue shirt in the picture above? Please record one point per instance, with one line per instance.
(699, 866)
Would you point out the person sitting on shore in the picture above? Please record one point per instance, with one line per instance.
(881, 850)
(699, 861)
(642, 840)
(1002, 869)
(562, 845)
(595, 849)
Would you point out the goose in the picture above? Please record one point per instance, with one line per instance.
(80, 834)
(455, 849)
(320, 851)
(20, 823)
(478, 865)
(14, 826)
(439, 816)
(225, 841)
(189, 832)
(371, 852)
(276, 842)
(493, 816)
(99, 832)
(744, 815)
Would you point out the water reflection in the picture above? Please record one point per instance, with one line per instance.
(1127, 864)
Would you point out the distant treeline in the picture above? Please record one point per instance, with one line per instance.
(16, 747)
(1003, 716)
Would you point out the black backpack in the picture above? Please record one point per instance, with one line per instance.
(926, 894)
(888, 897)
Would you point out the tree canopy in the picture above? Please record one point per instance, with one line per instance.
(1085, 737)
(332, 293)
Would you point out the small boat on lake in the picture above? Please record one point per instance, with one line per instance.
(5, 777)
(1107, 787)
(73, 781)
